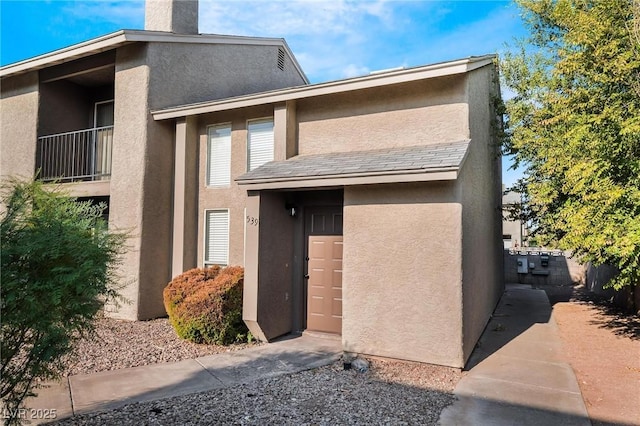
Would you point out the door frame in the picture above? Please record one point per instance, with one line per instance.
(308, 231)
(306, 202)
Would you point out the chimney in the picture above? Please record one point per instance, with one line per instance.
(176, 16)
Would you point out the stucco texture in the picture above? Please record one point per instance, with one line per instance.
(19, 131)
(179, 16)
(267, 297)
(402, 272)
(156, 75)
(229, 197)
(190, 73)
(384, 117)
(128, 171)
(480, 189)
(275, 266)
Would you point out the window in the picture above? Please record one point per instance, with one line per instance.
(219, 156)
(216, 245)
(103, 114)
(259, 143)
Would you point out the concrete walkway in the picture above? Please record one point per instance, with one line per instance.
(517, 374)
(112, 389)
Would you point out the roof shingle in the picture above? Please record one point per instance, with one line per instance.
(416, 159)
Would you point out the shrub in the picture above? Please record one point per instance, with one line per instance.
(205, 305)
(57, 269)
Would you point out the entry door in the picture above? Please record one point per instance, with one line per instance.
(324, 292)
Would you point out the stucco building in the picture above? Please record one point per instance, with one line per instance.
(514, 232)
(81, 115)
(367, 207)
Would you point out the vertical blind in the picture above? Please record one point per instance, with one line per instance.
(217, 238)
(219, 156)
(260, 143)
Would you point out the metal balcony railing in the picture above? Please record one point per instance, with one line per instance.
(84, 155)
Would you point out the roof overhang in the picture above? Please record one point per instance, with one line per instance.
(425, 163)
(460, 66)
(349, 180)
(123, 37)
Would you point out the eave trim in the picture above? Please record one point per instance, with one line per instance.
(122, 37)
(339, 86)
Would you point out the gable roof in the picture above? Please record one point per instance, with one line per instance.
(405, 164)
(390, 77)
(123, 37)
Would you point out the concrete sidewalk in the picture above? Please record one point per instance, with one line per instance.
(112, 389)
(517, 373)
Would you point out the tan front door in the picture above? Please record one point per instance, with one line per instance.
(324, 295)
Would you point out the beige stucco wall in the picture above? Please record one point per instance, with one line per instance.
(19, 125)
(275, 266)
(129, 164)
(152, 76)
(252, 250)
(396, 252)
(185, 197)
(402, 272)
(480, 189)
(179, 16)
(267, 298)
(231, 197)
(411, 114)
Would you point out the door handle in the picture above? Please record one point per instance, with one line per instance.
(306, 276)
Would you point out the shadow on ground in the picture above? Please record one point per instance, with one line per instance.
(611, 316)
(267, 386)
(325, 396)
(509, 320)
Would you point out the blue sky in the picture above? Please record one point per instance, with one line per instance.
(332, 39)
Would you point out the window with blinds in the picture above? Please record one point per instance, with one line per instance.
(219, 156)
(259, 143)
(216, 250)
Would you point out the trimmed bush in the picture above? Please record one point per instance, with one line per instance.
(205, 305)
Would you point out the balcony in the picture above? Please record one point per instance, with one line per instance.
(79, 156)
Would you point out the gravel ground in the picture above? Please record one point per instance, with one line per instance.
(124, 344)
(390, 392)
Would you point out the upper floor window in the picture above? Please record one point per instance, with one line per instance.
(219, 155)
(259, 143)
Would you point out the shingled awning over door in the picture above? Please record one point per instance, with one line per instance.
(404, 164)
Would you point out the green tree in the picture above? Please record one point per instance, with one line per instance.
(574, 124)
(57, 263)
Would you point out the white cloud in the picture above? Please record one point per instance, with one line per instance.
(333, 39)
(329, 38)
(286, 18)
(275, 18)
